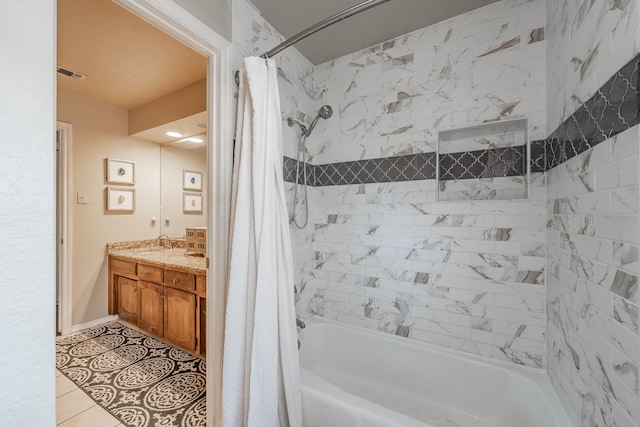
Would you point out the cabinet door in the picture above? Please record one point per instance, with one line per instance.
(128, 302)
(180, 318)
(151, 317)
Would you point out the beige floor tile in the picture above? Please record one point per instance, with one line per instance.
(94, 417)
(58, 373)
(64, 385)
(71, 404)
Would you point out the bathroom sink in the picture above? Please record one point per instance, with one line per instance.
(148, 253)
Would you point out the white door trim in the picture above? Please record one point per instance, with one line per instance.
(175, 21)
(64, 224)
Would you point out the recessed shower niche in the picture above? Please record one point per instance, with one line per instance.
(488, 161)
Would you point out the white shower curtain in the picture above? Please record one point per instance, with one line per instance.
(261, 384)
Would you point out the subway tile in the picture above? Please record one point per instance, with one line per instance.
(624, 200)
(624, 257)
(621, 228)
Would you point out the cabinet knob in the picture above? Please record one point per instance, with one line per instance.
(175, 280)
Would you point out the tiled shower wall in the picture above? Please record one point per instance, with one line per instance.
(470, 275)
(593, 342)
(389, 256)
(391, 99)
(592, 268)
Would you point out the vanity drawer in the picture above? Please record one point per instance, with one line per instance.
(122, 267)
(150, 273)
(178, 280)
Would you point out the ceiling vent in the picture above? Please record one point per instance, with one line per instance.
(70, 73)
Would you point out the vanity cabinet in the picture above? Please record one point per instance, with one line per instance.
(167, 302)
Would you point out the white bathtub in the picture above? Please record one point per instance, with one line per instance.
(355, 377)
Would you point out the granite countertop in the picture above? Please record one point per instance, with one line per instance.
(150, 251)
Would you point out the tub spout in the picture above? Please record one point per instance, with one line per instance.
(300, 324)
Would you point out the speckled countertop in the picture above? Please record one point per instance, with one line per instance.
(152, 252)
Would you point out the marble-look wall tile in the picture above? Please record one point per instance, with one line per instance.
(390, 256)
(393, 98)
(592, 279)
(587, 43)
(466, 275)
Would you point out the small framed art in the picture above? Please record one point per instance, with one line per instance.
(191, 203)
(121, 200)
(191, 180)
(120, 172)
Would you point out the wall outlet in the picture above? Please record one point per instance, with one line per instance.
(82, 198)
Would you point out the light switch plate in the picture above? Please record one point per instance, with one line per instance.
(82, 198)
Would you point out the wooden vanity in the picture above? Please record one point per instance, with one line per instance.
(162, 291)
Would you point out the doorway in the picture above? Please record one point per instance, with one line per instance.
(166, 16)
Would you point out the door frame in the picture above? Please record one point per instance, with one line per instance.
(64, 226)
(180, 24)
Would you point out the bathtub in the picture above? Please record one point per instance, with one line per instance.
(354, 377)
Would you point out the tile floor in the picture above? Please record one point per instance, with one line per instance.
(75, 409)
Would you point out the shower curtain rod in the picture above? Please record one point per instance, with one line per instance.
(353, 10)
(367, 4)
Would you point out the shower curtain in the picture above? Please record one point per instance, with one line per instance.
(261, 385)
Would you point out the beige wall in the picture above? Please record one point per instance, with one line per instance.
(174, 161)
(99, 132)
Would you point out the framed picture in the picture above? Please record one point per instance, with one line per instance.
(121, 199)
(120, 172)
(192, 203)
(191, 180)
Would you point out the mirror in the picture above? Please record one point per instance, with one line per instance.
(174, 160)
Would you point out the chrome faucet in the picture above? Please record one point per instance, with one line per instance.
(167, 243)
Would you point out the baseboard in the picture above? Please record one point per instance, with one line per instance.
(76, 328)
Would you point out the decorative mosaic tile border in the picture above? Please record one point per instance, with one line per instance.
(415, 167)
(614, 108)
(388, 169)
(500, 162)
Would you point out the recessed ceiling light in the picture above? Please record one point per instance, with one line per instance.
(194, 139)
(174, 134)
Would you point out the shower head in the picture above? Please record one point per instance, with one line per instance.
(325, 112)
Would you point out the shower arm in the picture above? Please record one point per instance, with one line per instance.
(353, 10)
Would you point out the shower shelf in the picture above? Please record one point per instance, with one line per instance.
(488, 161)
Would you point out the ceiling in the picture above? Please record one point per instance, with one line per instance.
(128, 61)
(373, 26)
